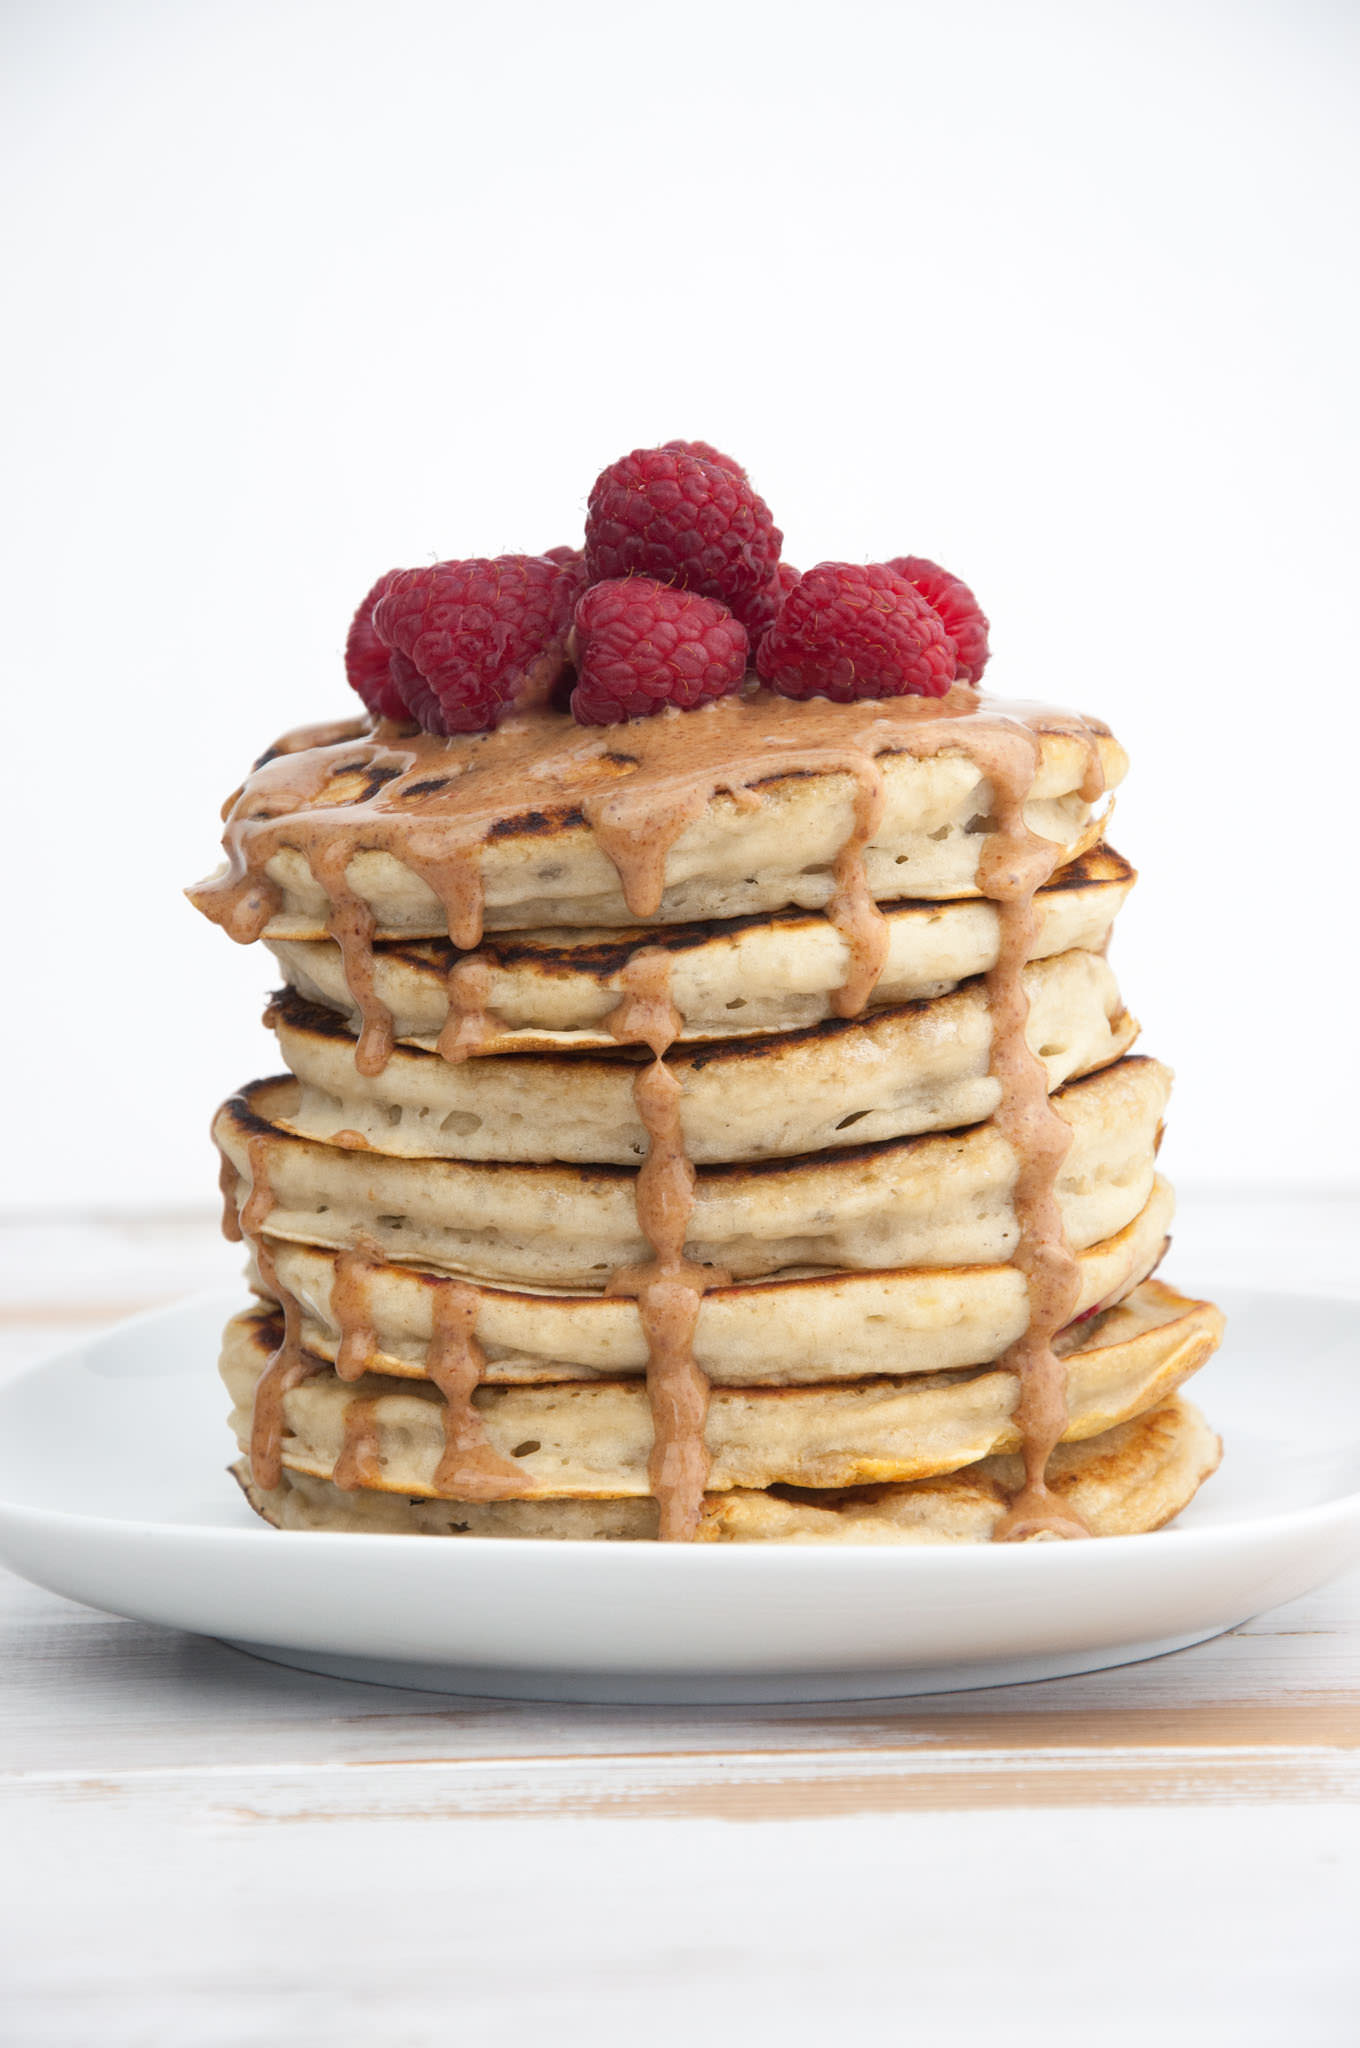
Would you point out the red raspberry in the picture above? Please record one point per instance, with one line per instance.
(681, 518)
(964, 619)
(846, 632)
(763, 610)
(707, 453)
(416, 694)
(641, 645)
(368, 659)
(484, 638)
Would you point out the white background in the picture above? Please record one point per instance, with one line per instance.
(1064, 296)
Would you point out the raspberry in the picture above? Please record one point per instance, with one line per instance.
(764, 609)
(416, 694)
(761, 611)
(964, 619)
(641, 645)
(847, 632)
(706, 453)
(683, 518)
(368, 659)
(484, 638)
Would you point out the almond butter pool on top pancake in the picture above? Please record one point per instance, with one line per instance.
(711, 1113)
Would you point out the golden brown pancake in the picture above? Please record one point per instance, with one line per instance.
(553, 990)
(799, 1331)
(780, 810)
(593, 1439)
(892, 1073)
(940, 1200)
(1134, 1478)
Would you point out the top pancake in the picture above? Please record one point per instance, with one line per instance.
(747, 805)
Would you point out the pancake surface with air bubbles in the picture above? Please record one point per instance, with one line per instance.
(892, 1073)
(940, 1200)
(799, 1329)
(573, 1439)
(553, 990)
(1131, 1479)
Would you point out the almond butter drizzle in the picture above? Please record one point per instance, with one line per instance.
(470, 1469)
(352, 1314)
(290, 1364)
(456, 879)
(468, 1023)
(1016, 864)
(352, 925)
(226, 1187)
(852, 908)
(359, 1462)
(669, 1288)
(432, 804)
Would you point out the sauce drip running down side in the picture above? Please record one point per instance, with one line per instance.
(852, 908)
(352, 925)
(359, 1462)
(226, 1187)
(470, 1469)
(468, 1023)
(670, 1288)
(1016, 864)
(433, 805)
(351, 1312)
(290, 1364)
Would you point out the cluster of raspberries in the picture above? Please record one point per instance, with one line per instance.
(677, 593)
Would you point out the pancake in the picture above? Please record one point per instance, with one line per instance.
(1134, 1478)
(880, 1212)
(594, 1439)
(551, 990)
(940, 1200)
(788, 1332)
(767, 806)
(915, 1067)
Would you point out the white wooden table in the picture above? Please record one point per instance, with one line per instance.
(201, 1848)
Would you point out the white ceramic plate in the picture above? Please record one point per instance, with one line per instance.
(113, 1491)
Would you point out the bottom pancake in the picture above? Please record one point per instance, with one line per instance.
(1128, 1480)
(593, 1439)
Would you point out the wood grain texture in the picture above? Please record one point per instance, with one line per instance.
(193, 1911)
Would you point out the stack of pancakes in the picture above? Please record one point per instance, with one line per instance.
(462, 1294)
